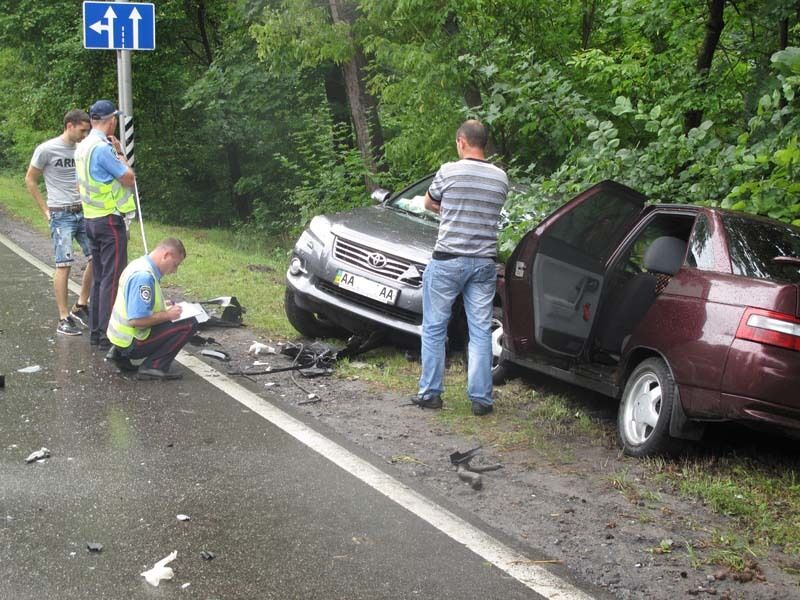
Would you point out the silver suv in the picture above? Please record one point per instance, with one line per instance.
(361, 270)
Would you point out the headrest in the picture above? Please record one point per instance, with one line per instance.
(665, 255)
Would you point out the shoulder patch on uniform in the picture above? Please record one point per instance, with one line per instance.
(145, 292)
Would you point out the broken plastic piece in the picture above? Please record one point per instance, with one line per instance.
(257, 348)
(218, 354)
(206, 555)
(184, 517)
(185, 585)
(94, 547)
(40, 454)
(160, 570)
(31, 369)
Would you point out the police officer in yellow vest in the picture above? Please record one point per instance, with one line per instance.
(105, 183)
(142, 324)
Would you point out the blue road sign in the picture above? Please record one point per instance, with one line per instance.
(119, 26)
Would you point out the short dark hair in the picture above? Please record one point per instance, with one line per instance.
(474, 132)
(76, 116)
(174, 245)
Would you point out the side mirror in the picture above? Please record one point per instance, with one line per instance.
(380, 195)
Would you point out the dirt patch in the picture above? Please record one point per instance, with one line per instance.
(572, 498)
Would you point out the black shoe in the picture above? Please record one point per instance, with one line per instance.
(123, 363)
(80, 312)
(157, 374)
(429, 402)
(68, 327)
(103, 343)
(480, 410)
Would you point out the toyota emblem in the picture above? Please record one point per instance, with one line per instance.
(377, 260)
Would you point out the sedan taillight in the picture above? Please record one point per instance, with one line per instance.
(769, 327)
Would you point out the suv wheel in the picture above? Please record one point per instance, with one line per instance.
(646, 409)
(308, 323)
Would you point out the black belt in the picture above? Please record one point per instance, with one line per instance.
(72, 208)
(439, 255)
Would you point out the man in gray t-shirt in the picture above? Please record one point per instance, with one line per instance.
(54, 159)
(468, 195)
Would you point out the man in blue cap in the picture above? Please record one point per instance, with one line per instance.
(105, 182)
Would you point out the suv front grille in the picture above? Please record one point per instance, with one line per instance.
(400, 314)
(394, 268)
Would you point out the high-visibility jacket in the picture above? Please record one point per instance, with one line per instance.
(120, 332)
(99, 199)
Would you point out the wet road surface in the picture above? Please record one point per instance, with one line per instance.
(129, 456)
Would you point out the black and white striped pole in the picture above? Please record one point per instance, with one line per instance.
(126, 132)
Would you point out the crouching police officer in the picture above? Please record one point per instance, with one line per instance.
(142, 326)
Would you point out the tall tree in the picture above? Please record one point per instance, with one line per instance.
(714, 26)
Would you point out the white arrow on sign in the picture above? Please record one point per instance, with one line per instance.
(135, 17)
(98, 27)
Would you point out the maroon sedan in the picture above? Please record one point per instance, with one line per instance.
(687, 314)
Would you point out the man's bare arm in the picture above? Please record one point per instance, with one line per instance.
(431, 205)
(32, 183)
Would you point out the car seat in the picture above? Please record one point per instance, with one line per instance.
(626, 309)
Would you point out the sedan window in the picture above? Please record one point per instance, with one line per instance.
(701, 250)
(754, 245)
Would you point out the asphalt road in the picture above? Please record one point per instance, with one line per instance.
(128, 457)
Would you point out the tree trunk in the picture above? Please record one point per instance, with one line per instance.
(714, 26)
(242, 204)
(472, 92)
(363, 106)
(587, 22)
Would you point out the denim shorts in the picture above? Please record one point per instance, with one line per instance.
(64, 228)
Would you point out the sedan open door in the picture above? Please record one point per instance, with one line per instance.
(554, 278)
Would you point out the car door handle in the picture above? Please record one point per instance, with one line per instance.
(587, 284)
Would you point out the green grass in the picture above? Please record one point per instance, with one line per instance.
(218, 263)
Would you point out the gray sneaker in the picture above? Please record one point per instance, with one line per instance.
(80, 314)
(68, 327)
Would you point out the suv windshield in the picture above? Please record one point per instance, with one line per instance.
(753, 246)
(412, 200)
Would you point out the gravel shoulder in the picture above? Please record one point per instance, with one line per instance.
(575, 500)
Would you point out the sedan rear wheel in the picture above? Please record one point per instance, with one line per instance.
(646, 409)
(501, 369)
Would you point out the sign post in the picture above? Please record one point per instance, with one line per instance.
(122, 26)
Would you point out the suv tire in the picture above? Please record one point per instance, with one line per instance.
(308, 323)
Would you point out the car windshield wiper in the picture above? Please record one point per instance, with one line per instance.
(788, 260)
(423, 215)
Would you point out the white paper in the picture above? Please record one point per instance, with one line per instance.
(160, 570)
(192, 309)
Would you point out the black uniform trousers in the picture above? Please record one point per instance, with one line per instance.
(162, 345)
(108, 241)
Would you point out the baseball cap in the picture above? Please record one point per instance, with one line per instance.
(103, 109)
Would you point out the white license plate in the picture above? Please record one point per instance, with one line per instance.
(366, 287)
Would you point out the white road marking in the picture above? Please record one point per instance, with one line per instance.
(518, 566)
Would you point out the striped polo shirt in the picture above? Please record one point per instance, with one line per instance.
(471, 193)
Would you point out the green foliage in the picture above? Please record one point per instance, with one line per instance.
(239, 121)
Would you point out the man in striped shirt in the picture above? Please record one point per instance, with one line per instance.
(468, 195)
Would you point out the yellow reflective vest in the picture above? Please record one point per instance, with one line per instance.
(99, 199)
(120, 332)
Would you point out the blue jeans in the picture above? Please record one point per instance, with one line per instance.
(65, 227)
(476, 280)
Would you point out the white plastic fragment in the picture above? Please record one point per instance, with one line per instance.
(185, 585)
(312, 396)
(160, 570)
(183, 517)
(39, 455)
(31, 369)
(257, 348)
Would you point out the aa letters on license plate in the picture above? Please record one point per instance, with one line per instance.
(366, 287)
